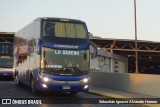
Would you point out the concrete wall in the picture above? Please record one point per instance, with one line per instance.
(108, 62)
(136, 83)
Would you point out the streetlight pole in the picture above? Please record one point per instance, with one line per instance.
(136, 52)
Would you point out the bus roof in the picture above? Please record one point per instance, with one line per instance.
(59, 19)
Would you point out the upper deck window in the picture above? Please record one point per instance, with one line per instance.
(63, 29)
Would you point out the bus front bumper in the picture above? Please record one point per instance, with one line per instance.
(6, 72)
(63, 86)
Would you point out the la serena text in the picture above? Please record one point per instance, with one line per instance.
(66, 52)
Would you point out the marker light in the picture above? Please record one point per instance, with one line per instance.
(86, 86)
(44, 85)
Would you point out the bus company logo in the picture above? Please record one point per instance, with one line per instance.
(65, 46)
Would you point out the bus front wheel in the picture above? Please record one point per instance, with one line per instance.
(34, 91)
(17, 79)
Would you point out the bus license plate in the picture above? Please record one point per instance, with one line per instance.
(66, 87)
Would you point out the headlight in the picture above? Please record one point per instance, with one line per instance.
(42, 77)
(85, 80)
(45, 79)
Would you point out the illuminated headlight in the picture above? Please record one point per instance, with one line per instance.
(45, 79)
(85, 80)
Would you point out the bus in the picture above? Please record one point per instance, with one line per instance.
(52, 54)
(6, 55)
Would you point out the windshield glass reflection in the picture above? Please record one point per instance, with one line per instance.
(64, 61)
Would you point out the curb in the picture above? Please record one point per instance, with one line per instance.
(112, 95)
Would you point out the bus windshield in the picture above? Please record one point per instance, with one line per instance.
(64, 29)
(6, 55)
(65, 62)
(6, 49)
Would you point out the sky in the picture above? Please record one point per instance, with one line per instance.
(104, 18)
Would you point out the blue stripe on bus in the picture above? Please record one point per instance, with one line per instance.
(62, 46)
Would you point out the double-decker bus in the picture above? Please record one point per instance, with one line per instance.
(6, 54)
(52, 54)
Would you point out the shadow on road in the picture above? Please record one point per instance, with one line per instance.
(44, 94)
(2, 78)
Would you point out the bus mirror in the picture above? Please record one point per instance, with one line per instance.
(38, 50)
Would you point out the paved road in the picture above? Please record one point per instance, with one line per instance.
(9, 89)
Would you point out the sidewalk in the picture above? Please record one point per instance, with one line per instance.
(120, 94)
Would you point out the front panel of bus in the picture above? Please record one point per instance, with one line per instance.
(6, 59)
(64, 55)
